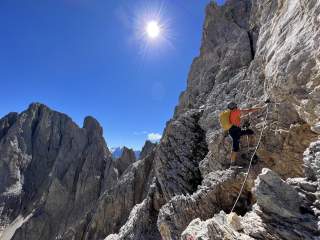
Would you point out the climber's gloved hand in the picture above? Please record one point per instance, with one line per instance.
(246, 124)
(266, 103)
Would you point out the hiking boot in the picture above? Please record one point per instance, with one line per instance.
(234, 164)
(255, 159)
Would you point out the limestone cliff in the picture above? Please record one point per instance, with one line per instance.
(51, 170)
(127, 158)
(58, 181)
(253, 51)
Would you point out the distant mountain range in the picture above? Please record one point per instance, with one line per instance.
(117, 152)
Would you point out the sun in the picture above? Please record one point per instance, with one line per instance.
(153, 29)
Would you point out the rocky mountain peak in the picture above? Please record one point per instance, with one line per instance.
(93, 128)
(47, 162)
(92, 125)
(147, 149)
(58, 181)
(127, 158)
(6, 122)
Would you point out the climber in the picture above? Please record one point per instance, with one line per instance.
(231, 122)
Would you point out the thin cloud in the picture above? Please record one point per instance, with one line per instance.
(140, 133)
(154, 137)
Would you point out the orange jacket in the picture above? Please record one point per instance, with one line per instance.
(235, 116)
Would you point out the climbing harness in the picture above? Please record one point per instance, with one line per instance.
(252, 157)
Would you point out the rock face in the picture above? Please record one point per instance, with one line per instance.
(117, 152)
(247, 51)
(147, 149)
(274, 32)
(58, 181)
(280, 212)
(116, 204)
(178, 155)
(127, 158)
(52, 169)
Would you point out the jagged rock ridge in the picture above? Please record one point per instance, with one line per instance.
(51, 169)
(253, 51)
(117, 152)
(182, 189)
(125, 160)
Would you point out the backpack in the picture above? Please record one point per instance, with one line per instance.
(225, 120)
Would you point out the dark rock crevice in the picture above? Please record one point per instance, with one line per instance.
(179, 154)
(252, 49)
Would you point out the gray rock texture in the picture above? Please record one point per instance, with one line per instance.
(51, 167)
(61, 181)
(277, 214)
(127, 158)
(178, 155)
(217, 192)
(141, 223)
(147, 149)
(248, 53)
(114, 206)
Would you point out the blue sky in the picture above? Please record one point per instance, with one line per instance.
(88, 57)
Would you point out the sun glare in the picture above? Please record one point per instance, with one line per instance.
(153, 29)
